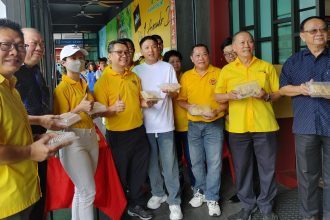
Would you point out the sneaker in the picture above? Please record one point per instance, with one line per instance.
(234, 199)
(242, 215)
(197, 200)
(176, 213)
(155, 201)
(214, 208)
(140, 212)
(270, 216)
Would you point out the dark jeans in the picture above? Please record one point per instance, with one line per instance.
(309, 170)
(264, 146)
(130, 150)
(182, 148)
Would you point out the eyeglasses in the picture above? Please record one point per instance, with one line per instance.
(34, 44)
(7, 46)
(315, 30)
(229, 54)
(120, 52)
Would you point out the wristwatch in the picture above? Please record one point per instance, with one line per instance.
(268, 98)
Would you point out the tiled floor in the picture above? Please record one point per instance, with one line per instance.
(286, 206)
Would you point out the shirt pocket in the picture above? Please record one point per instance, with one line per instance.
(262, 79)
(326, 75)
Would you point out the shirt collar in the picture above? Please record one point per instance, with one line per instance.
(237, 61)
(10, 83)
(307, 52)
(209, 69)
(112, 72)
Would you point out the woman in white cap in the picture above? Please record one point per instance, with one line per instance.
(80, 158)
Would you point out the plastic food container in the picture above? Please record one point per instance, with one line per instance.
(68, 119)
(200, 110)
(170, 87)
(319, 89)
(248, 89)
(151, 95)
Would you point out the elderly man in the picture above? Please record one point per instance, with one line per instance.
(125, 133)
(205, 130)
(19, 182)
(311, 124)
(36, 98)
(251, 120)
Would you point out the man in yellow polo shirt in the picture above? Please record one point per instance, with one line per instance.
(119, 89)
(252, 125)
(205, 128)
(19, 182)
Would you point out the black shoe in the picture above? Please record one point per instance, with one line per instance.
(234, 199)
(141, 212)
(270, 216)
(242, 215)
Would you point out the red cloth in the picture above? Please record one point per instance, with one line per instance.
(110, 198)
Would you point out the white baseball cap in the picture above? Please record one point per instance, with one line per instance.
(69, 50)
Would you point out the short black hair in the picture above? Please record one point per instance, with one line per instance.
(199, 45)
(6, 23)
(235, 35)
(112, 44)
(172, 53)
(228, 41)
(157, 37)
(127, 40)
(147, 38)
(103, 59)
(302, 25)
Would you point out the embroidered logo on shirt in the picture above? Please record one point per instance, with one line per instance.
(213, 81)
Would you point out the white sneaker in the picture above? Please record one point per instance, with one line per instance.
(214, 208)
(176, 213)
(197, 200)
(155, 201)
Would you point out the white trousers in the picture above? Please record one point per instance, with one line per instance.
(79, 161)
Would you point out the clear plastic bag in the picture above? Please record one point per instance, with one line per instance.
(151, 95)
(248, 89)
(200, 110)
(319, 89)
(170, 87)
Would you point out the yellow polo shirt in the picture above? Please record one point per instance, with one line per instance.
(180, 115)
(19, 182)
(109, 87)
(249, 114)
(197, 89)
(67, 95)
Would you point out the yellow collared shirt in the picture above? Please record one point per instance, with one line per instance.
(127, 86)
(180, 115)
(249, 114)
(197, 89)
(67, 96)
(19, 182)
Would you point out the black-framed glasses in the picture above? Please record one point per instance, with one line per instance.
(315, 30)
(120, 52)
(34, 44)
(7, 46)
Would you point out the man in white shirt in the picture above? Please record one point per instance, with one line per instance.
(159, 123)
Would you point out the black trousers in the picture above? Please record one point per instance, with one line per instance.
(264, 146)
(130, 151)
(37, 212)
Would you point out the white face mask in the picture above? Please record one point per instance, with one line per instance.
(74, 66)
